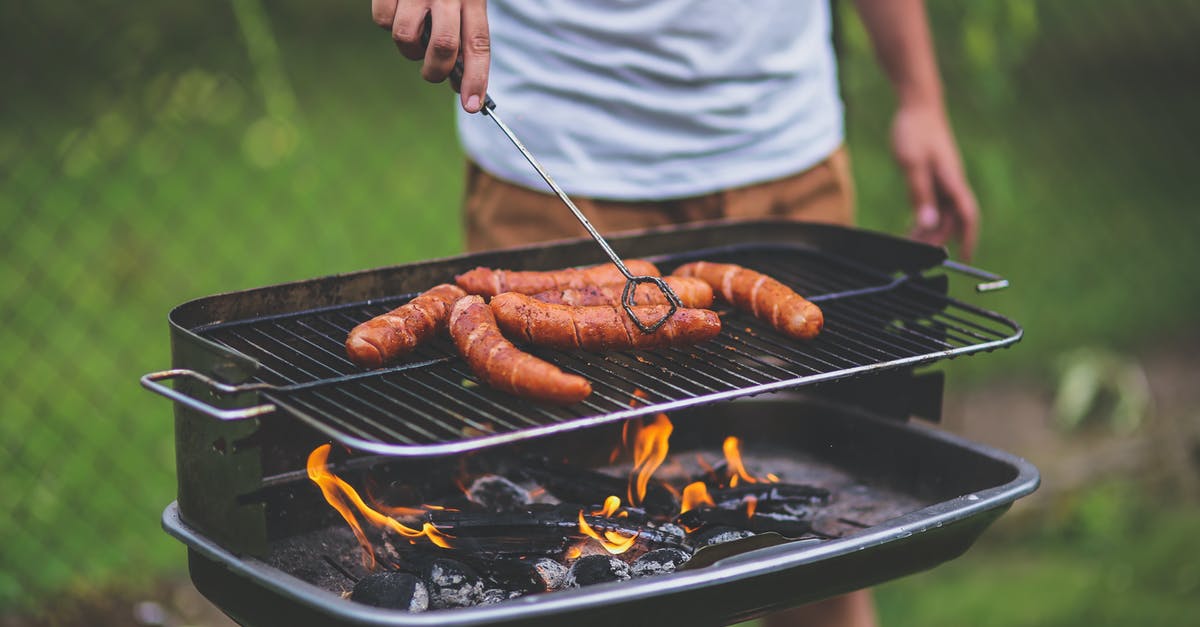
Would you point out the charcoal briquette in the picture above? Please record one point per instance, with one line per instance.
(658, 562)
(497, 494)
(551, 572)
(452, 584)
(594, 569)
(392, 590)
(718, 535)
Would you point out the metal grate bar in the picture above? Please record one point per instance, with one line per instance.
(431, 403)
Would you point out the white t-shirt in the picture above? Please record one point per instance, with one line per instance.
(658, 99)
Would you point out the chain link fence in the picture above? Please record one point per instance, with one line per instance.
(151, 153)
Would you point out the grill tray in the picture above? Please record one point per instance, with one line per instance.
(881, 312)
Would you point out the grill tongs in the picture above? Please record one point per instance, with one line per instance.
(631, 281)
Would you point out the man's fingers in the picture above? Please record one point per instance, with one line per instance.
(476, 53)
(961, 203)
(921, 195)
(383, 13)
(442, 51)
(407, 28)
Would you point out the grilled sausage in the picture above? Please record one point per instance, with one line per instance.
(768, 299)
(505, 367)
(386, 337)
(691, 292)
(489, 282)
(599, 328)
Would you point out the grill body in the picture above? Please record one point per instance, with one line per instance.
(963, 487)
(242, 485)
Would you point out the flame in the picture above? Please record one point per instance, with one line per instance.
(574, 552)
(751, 505)
(337, 492)
(612, 541)
(733, 460)
(695, 495)
(611, 505)
(649, 450)
(772, 477)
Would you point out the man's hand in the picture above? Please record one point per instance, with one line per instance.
(943, 205)
(459, 29)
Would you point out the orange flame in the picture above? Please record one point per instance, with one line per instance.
(695, 495)
(337, 492)
(612, 541)
(574, 552)
(611, 505)
(751, 505)
(733, 460)
(649, 451)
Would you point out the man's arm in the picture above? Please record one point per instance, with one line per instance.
(922, 140)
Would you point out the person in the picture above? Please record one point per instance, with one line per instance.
(656, 112)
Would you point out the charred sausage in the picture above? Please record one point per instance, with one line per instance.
(768, 299)
(691, 292)
(505, 367)
(599, 328)
(386, 337)
(489, 282)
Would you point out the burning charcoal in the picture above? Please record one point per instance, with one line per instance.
(587, 487)
(769, 495)
(452, 584)
(498, 494)
(672, 530)
(718, 534)
(658, 562)
(551, 572)
(392, 590)
(596, 569)
(540, 529)
(784, 524)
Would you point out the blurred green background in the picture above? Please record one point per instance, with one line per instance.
(155, 152)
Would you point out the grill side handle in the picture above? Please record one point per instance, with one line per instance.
(151, 381)
(992, 282)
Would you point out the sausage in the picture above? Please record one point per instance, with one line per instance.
(489, 282)
(505, 367)
(691, 292)
(768, 299)
(599, 328)
(386, 337)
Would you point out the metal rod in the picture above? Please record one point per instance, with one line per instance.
(631, 281)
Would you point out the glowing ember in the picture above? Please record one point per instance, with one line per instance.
(695, 495)
(612, 541)
(649, 450)
(337, 492)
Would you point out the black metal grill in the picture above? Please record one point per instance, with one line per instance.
(432, 404)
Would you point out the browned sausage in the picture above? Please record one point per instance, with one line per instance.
(599, 328)
(768, 299)
(691, 292)
(386, 337)
(504, 366)
(489, 282)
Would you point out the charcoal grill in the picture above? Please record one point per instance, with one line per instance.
(261, 379)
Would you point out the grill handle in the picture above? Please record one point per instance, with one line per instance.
(151, 382)
(992, 282)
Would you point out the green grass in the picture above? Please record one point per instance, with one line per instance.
(145, 161)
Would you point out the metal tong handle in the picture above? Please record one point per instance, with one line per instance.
(992, 282)
(631, 281)
(151, 382)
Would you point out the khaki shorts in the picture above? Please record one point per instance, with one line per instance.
(499, 214)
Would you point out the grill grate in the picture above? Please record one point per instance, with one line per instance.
(431, 403)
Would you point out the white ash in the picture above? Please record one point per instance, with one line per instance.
(596, 569)
(658, 562)
(673, 529)
(492, 596)
(452, 584)
(551, 572)
(721, 536)
(498, 494)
